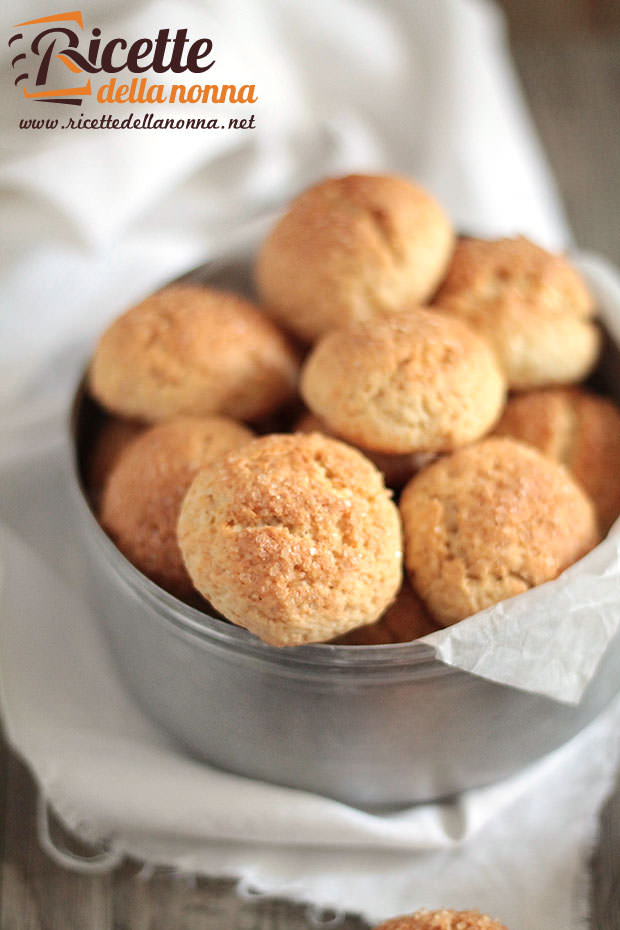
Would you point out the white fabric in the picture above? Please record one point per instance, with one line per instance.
(515, 849)
(95, 220)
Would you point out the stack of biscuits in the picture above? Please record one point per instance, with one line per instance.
(253, 454)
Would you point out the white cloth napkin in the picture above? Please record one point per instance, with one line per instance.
(96, 220)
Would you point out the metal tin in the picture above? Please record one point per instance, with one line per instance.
(368, 725)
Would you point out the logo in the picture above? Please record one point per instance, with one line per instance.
(58, 62)
(43, 47)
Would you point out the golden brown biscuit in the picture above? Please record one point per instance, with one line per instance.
(490, 522)
(414, 382)
(143, 495)
(442, 920)
(353, 248)
(531, 305)
(111, 439)
(578, 429)
(404, 620)
(193, 350)
(294, 537)
(397, 469)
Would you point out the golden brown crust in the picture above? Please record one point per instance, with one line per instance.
(353, 248)
(531, 305)
(196, 351)
(415, 382)
(396, 469)
(442, 920)
(111, 440)
(143, 495)
(489, 522)
(293, 537)
(404, 620)
(578, 429)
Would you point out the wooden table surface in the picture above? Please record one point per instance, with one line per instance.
(572, 80)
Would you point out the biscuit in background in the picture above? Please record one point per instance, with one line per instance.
(396, 469)
(442, 920)
(417, 381)
(489, 522)
(579, 429)
(191, 350)
(353, 248)
(404, 620)
(532, 306)
(111, 439)
(143, 494)
(293, 537)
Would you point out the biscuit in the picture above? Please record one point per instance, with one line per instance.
(143, 494)
(414, 382)
(353, 248)
(442, 920)
(531, 305)
(196, 351)
(489, 522)
(396, 469)
(294, 537)
(405, 620)
(111, 439)
(578, 429)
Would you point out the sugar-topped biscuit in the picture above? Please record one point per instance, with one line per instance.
(193, 350)
(531, 305)
(353, 248)
(144, 490)
(577, 428)
(442, 920)
(294, 537)
(417, 381)
(489, 522)
(396, 469)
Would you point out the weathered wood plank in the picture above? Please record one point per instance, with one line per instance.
(36, 893)
(605, 14)
(573, 88)
(551, 17)
(605, 891)
(166, 901)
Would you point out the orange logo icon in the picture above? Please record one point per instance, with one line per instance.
(43, 46)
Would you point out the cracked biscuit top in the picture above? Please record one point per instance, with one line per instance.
(193, 350)
(578, 429)
(531, 305)
(489, 522)
(442, 920)
(353, 248)
(293, 537)
(413, 382)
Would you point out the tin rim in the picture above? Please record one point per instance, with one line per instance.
(197, 623)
